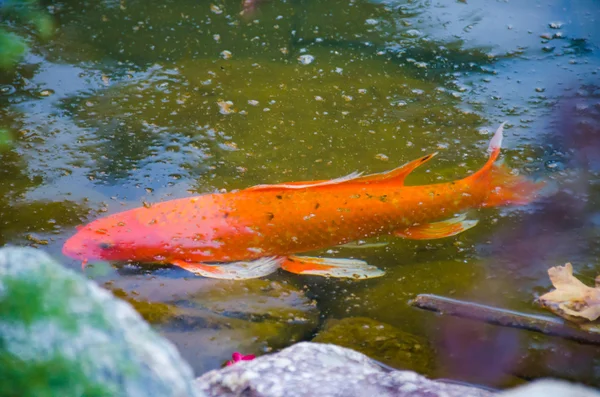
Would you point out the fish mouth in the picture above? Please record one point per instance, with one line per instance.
(73, 248)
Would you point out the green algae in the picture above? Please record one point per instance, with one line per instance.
(381, 342)
(153, 312)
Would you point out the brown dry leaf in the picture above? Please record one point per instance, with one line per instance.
(571, 299)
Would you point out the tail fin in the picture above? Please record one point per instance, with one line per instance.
(503, 187)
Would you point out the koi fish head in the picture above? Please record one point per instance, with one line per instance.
(115, 237)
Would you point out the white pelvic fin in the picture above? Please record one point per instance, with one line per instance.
(242, 270)
(331, 267)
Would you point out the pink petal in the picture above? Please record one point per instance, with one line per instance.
(237, 356)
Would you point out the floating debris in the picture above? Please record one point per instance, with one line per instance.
(225, 107)
(572, 299)
(45, 93)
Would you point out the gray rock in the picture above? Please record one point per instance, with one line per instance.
(314, 369)
(551, 387)
(61, 335)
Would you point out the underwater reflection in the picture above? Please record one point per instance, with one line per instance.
(561, 226)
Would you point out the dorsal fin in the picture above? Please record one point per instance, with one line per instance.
(397, 175)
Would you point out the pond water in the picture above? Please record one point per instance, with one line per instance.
(132, 102)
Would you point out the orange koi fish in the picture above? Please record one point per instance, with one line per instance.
(253, 232)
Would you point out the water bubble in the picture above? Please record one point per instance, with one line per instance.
(371, 21)
(539, 89)
(382, 157)
(7, 89)
(306, 59)
(162, 86)
(554, 165)
(413, 33)
(555, 25)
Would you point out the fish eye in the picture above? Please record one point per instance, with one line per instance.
(105, 245)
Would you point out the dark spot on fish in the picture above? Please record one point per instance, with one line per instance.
(105, 245)
(270, 216)
(279, 196)
(383, 198)
(368, 195)
(424, 159)
(226, 215)
(317, 205)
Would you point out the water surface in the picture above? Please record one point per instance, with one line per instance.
(133, 102)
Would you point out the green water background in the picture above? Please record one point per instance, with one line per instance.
(120, 107)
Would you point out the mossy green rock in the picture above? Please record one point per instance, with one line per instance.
(381, 342)
(61, 335)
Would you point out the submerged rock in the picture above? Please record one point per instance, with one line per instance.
(61, 335)
(210, 319)
(380, 341)
(314, 369)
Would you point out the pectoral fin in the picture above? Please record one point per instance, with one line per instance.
(430, 231)
(331, 267)
(234, 270)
